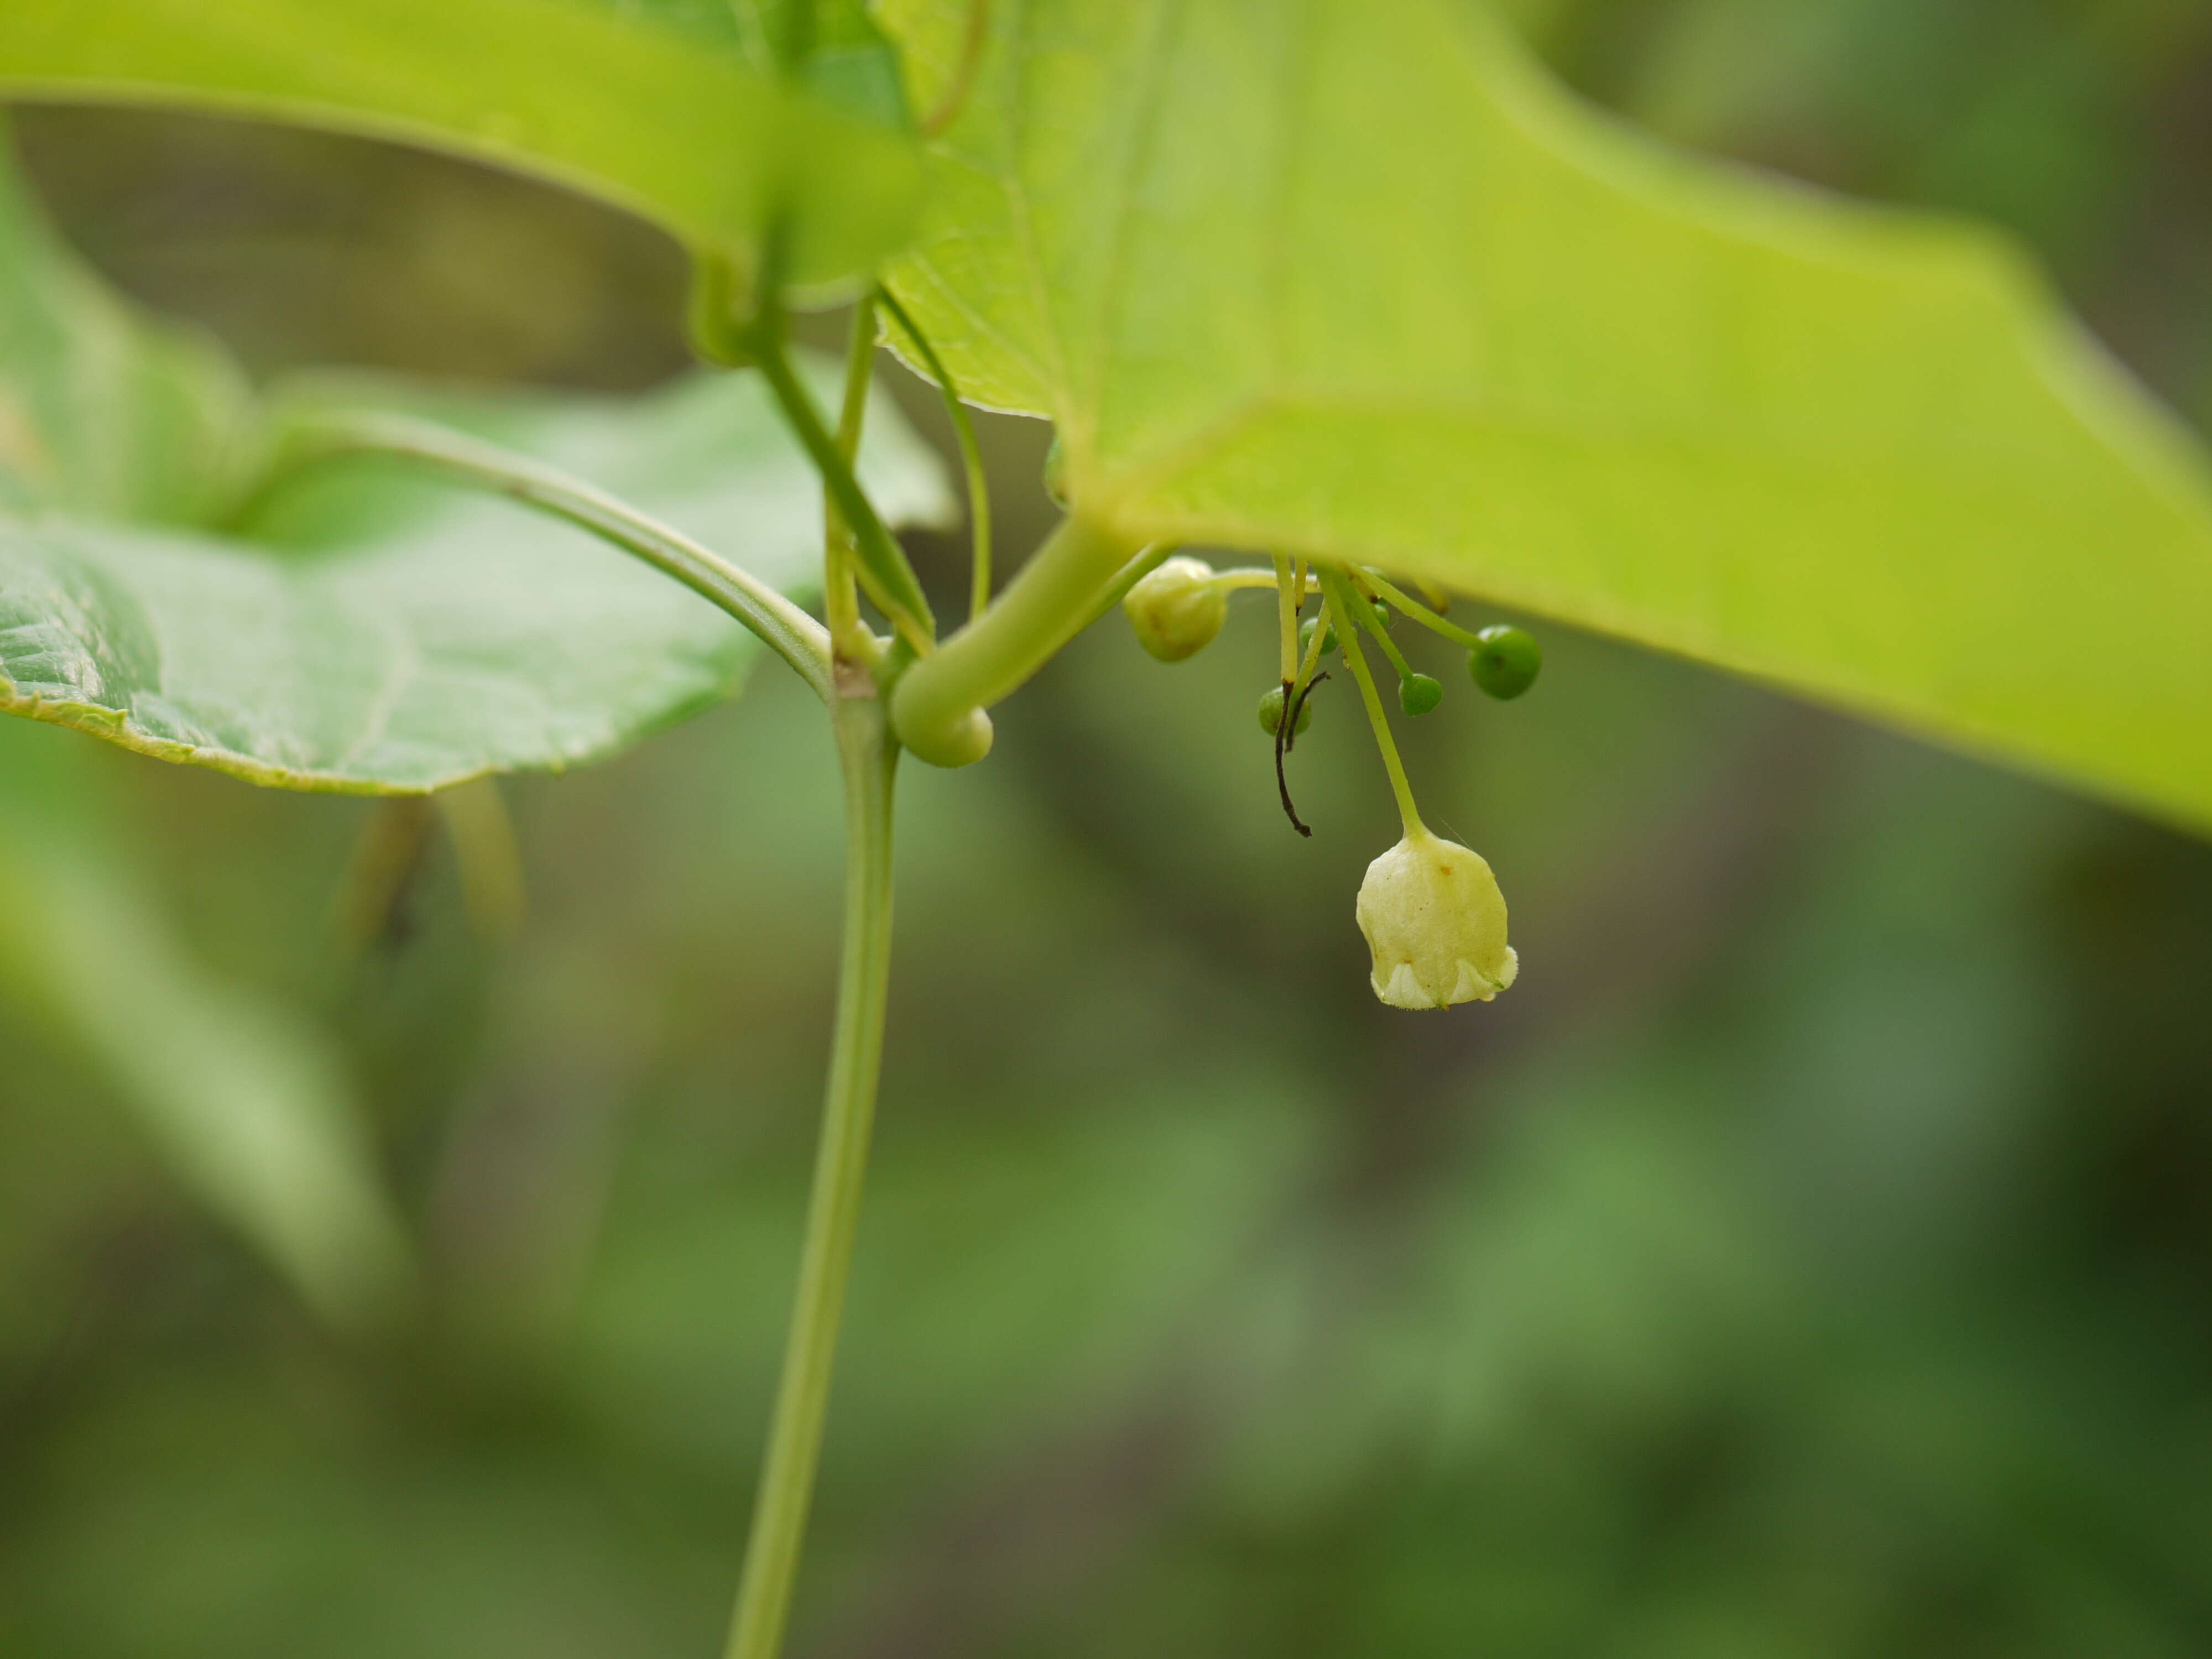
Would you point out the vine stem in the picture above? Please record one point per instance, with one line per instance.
(868, 759)
(882, 564)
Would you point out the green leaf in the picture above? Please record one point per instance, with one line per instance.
(378, 631)
(245, 1102)
(99, 411)
(834, 47)
(1359, 282)
(647, 108)
(418, 634)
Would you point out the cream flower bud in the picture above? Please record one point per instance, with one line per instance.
(1177, 610)
(1436, 921)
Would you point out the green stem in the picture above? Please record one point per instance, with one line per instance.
(884, 568)
(1341, 601)
(1419, 612)
(841, 604)
(1125, 578)
(868, 758)
(1234, 582)
(971, 454)
(1373, 624)
(782, 626)
(1039, 612)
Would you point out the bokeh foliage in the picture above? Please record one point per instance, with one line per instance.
(1811, 1255)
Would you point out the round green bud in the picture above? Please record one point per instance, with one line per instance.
(1381, 615)
(1271, 712)
(1177, 609)
(1419, 695)
(1506, 663)
(962, 745)
(1305, 639)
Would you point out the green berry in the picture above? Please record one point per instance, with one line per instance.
(1506, 662)
(1383, 615)
(1419, 695)
(1271, 712)
(1305, 639)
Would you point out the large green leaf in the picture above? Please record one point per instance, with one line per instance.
(1357, 280)
(377, 631)
(649, 106)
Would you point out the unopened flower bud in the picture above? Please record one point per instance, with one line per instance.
(1436, 921)
(1177, 609)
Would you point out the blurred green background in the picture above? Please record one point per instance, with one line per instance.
(1812, 1255)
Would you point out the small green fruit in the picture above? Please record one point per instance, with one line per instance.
(1177, 609)
(1305, 639)
(1419, 695)
(1271, 712)
(1506, 663)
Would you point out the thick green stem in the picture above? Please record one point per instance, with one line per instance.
(782, 626)
(868, 757)
(938, 700)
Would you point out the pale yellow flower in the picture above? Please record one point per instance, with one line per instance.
(1177, 609)
(1436, 921)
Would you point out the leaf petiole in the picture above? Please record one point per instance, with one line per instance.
(781, 625)
(971, 454)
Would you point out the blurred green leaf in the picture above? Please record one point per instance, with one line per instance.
(1479, 334)
(100, 409)
(374, 631)
(834, 48)
(246, 1102)
(642, 110)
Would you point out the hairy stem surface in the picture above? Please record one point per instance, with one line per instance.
(868, 758)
